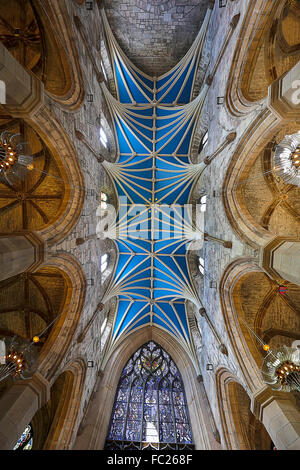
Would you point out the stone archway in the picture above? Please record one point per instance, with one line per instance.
(62, 333)
(22, 400)
(55, 424)
(98, 416)
(264, 51)
(240, 429)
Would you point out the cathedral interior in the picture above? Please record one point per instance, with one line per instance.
(158, 279)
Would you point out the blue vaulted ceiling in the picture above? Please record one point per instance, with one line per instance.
(154, 122)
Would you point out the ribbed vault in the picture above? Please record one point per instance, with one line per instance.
(154, 123)
(155, 34)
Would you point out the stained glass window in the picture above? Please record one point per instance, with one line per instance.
(150, 409)
(26, 440)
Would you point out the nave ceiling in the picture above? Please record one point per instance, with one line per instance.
(267, 205)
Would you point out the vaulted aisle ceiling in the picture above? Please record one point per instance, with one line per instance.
(154, 123)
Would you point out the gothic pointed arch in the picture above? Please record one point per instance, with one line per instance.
(38, 35)
(258, 204)
(241, 430)
(53, 424)
(150, 408)
(98, 417)
(35, 201)
(252, 301)
(48, 198)
(268, 46)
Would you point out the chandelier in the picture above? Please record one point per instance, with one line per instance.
(17, 358)
(287, 159)
(281, 369)
(15, 156)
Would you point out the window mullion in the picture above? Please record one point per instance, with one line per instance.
(142, 421)
(173, 413)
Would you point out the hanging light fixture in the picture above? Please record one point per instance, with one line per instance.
(287, 159)
(281, 367)
(18, 358)
(15, 156)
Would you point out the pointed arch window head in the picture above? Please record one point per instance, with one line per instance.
(150, 409)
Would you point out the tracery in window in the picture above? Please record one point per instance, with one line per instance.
(26, 440)
(150, 409)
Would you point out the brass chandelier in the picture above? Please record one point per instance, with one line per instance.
(281, 366)
(15, 156)
(18, 358)
(287, 159)
(281, 369)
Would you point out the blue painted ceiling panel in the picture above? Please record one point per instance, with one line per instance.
(153, 171)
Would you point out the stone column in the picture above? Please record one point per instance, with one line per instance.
(22, 91)
(286, 261)
(280, 416)
(284, 94)
(18, 253)
(18, 406)
(87, 425)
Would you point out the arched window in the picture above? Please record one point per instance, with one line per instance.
(26, 440)
(201, 265)
(150, 408)
(103, 201)
(103, 263)
(103, 71)
(203, 142)
(103, 137)
(203, 203)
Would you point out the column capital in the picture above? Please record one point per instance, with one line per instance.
(39, 385)
(24, 91)
(263, 397)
